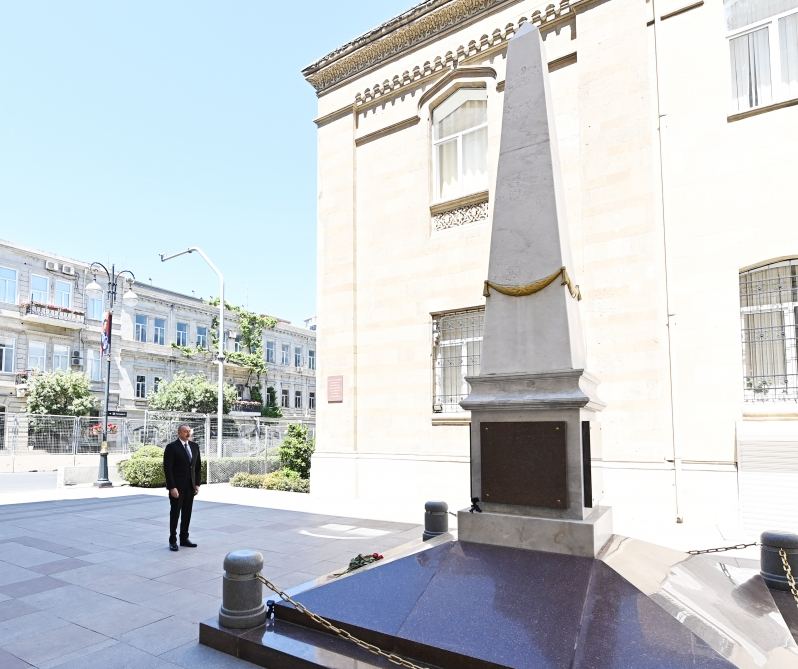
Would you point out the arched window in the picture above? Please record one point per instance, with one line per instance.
(769, 315)
(460, 145)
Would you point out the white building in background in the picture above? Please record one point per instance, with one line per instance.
(676, 123)
(47, 322)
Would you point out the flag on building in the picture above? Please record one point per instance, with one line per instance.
(105, 339)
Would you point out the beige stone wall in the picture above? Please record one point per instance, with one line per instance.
(657, 245)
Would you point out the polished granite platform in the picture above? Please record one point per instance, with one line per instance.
(465, 605)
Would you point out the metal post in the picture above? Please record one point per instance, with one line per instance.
(220, 352)
(102, 475)
(113, 279)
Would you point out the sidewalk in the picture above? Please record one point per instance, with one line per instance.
(86, 579)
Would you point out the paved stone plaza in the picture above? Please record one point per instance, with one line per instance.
(90, 582)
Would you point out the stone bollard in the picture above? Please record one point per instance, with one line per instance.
(436, 519)
(772, 567)
(242, 594)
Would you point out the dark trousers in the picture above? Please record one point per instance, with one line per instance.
(180, 508)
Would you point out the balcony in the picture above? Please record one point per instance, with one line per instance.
(51, 314)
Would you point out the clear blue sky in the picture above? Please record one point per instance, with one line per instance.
(138, 126)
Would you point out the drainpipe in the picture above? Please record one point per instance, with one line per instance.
(676, 456)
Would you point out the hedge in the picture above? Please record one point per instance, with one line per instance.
(283, 479)
(144, 469)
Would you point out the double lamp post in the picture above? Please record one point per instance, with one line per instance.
(130, 298)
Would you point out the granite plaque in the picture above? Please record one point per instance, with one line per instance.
(524, 463)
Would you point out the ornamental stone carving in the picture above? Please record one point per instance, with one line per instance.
(425, 22)
(473, 213)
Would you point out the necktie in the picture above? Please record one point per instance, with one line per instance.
(188, 451)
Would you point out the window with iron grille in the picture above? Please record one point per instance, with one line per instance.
(769, 314)
(456, 347)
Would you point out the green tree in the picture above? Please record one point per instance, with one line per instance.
(60, 393)
(296, 449)
(270, 409)
(187, 393)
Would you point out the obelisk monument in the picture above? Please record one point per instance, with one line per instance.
(533, 404)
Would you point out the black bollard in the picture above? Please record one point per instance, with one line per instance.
(436, 519)
(772, 566)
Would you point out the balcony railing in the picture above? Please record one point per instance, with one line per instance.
(52, 311)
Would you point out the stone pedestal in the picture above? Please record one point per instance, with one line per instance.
(585, 537)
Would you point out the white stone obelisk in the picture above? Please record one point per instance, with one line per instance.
(532, 403)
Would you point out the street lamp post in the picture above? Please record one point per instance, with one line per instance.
(220, 354)
(130, 298)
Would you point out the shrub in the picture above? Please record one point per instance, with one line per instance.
(282, 479)
(144, 468)
(285, 479)
(296, 449)
(191, 393)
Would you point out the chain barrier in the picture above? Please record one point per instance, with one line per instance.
(371, 648)
(737, 547)
(788, 572)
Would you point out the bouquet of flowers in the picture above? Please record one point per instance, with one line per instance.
(360, 561)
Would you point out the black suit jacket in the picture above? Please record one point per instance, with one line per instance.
(180, 473)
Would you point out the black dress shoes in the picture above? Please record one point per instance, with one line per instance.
(173, 546)
(188, 544)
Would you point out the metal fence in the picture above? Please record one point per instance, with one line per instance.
(248, 444)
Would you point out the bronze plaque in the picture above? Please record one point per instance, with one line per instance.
(524, 464)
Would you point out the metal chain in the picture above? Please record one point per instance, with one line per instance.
(788, 572)
(738, 547)
(371, 648)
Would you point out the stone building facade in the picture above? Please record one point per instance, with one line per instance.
(48, 322)
(676, 123)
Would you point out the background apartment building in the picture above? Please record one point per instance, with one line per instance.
(47, 322)
(676, 124)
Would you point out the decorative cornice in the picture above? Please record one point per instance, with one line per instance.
(460, 202)
(424, 22)
(549, 18)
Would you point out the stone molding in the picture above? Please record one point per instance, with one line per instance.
(471, 209)
(428, 23)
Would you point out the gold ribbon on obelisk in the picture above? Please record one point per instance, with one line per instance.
(535, 286)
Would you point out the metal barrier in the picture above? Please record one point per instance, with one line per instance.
(249, 444)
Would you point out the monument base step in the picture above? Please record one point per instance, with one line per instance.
(288, 646)
(585, 537)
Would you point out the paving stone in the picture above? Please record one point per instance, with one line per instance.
(9, 661)
(26, 556)
(64, 639)
(59, 566)
(162, 636)
(31, 586)
(193, 655)
(117, 655)
(11, 573)
(14, 609)
(12, 628)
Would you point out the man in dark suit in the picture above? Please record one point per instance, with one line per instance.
(181, 465)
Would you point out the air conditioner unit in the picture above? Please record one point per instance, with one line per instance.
(77, 358)
(22, 391)
(52, 265)
(68, 270)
